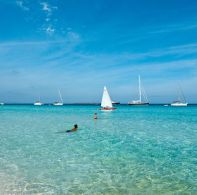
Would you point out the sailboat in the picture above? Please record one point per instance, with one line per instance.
(142, 94)
(106, 103)
(59, 103)
(38, 103)
(113, 102)
(181, 99)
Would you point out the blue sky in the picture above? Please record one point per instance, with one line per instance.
(78, 46)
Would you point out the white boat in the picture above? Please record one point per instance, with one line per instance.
(143, 100)
(106, 103)
(181, 99)
(113, 102)
(38, 103)
(179, 103)
(59, 103)
(1, 104)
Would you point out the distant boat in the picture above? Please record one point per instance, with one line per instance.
(142, 95)
(38, 103)
(1, 104)
(165, 105)
(59, 103)
(181, 99)
(178, 103)
(115, 102)
(106, 103)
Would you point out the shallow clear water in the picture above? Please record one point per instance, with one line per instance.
(132, 150)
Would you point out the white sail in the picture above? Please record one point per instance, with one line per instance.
(106, 100)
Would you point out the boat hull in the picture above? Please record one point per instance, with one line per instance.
(107, 109)
(58, 104)
(115, 103)
(179, 104)
(38, 104)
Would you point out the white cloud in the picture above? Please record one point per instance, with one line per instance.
(73, 36)
(46, 7)
(173, 28)
(50, 30)
(48, 25)
(22, 6)
(181, 50)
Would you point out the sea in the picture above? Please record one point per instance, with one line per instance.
(131, 150)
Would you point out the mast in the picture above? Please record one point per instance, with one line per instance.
(144, 94)
(140, 91)
(182, 94)
(60, 96)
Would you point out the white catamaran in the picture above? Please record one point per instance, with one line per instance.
(142, 95)
(106, 103)
(59, 103)
(181, 99)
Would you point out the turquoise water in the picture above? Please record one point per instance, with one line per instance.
(133, 150)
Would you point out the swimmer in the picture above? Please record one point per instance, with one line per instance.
(95, 116)
(73, 129)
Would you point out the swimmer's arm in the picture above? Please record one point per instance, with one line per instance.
(68, 131)
(73, 129)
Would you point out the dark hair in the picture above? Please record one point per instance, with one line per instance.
(75, 126)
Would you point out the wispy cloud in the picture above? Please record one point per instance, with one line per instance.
(73, 36)
(59, 59)
(154, 31)
(173, 51)
(22, 6)
(46, 7)
(50, 30)
(173, 28)
(48, 21)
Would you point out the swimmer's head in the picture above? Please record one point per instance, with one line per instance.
(75, 126)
